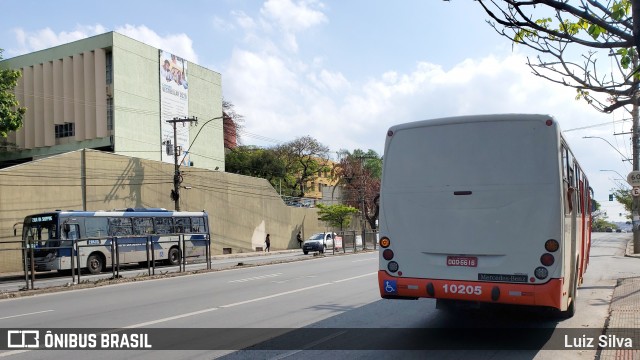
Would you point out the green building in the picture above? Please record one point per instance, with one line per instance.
(112, 93)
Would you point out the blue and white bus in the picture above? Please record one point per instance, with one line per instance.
(95, 234)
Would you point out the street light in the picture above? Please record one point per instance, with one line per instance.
(615, 172)
(624, 158)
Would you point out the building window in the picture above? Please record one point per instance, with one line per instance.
(109, 66)
(109, 113)
(65, 130)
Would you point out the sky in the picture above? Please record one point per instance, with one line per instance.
(339, 71)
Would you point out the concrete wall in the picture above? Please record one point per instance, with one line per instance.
(242, 210)
(136, 98)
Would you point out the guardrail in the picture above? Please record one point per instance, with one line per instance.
(77, 251)
(355, 241)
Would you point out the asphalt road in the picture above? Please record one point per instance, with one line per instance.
(336, 295)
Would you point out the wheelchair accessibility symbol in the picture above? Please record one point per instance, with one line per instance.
(390, 286)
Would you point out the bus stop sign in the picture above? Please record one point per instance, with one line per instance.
(634, 178)
(635, 191)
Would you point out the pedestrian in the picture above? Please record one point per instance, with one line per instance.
(299, 237)
(267, 242)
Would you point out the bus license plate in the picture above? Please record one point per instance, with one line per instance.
(470, 261)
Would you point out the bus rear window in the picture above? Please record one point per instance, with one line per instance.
(461, 155)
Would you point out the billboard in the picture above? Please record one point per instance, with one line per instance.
(174, 103)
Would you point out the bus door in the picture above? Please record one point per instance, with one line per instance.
(569, 198)
(69, 237)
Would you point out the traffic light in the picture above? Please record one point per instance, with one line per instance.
(610, 197)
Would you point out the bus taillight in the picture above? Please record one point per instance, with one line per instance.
(541, 273)
(393, 266)
(551, 245)
(547, 259)
(387, 254)
(385, 242)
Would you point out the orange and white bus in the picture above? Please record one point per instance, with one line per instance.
(487, 208)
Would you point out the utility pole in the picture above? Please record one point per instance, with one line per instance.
(635, 205)
(177, 177)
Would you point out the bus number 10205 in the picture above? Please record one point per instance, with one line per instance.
(462, 289)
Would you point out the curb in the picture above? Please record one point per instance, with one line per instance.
(624, 314)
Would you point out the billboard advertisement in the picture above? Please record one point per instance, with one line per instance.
(174, 103)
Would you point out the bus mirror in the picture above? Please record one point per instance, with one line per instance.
(593, 206)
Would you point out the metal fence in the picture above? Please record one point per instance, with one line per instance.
(82, 248)
(358, 241)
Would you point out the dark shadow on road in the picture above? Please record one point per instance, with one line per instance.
(414, 329)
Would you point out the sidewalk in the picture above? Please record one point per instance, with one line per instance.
(624, 314)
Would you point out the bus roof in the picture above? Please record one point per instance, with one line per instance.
(124, 212)
(473, 118)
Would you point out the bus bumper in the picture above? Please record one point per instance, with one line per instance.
(548, 294)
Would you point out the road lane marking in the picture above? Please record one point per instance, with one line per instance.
(373, 258)
(310, 345)
(255, 278)
(170, 318)
(14, 352)
(355, 277)
(274, 295)
(153, 322)
(294, 291)
(27, 314)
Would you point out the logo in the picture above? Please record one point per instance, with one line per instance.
(390, 286)
(23, 339)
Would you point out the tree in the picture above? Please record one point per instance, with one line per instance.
(624, 197)
(608, 31)
(303, 158)
(360, 174)
(337, 215)
(605, 31)
(256, 162)
(232, 123)
(11, 114)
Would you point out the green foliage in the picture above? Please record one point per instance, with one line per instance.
(624, 197)
(11, 114)
(360, 174)
(288, 167)
(561, 30)
(303, 158)
(620, 10)
(600, 224)
(256, 162)
(595, 31)
(338, 216)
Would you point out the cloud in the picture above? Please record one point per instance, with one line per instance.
(292, 16)
(289, 18)
(346, 114)
(30, 41)
(179, 44)
(282, 102)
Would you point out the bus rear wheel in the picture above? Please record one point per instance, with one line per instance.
(95, 264)
(174, 256)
